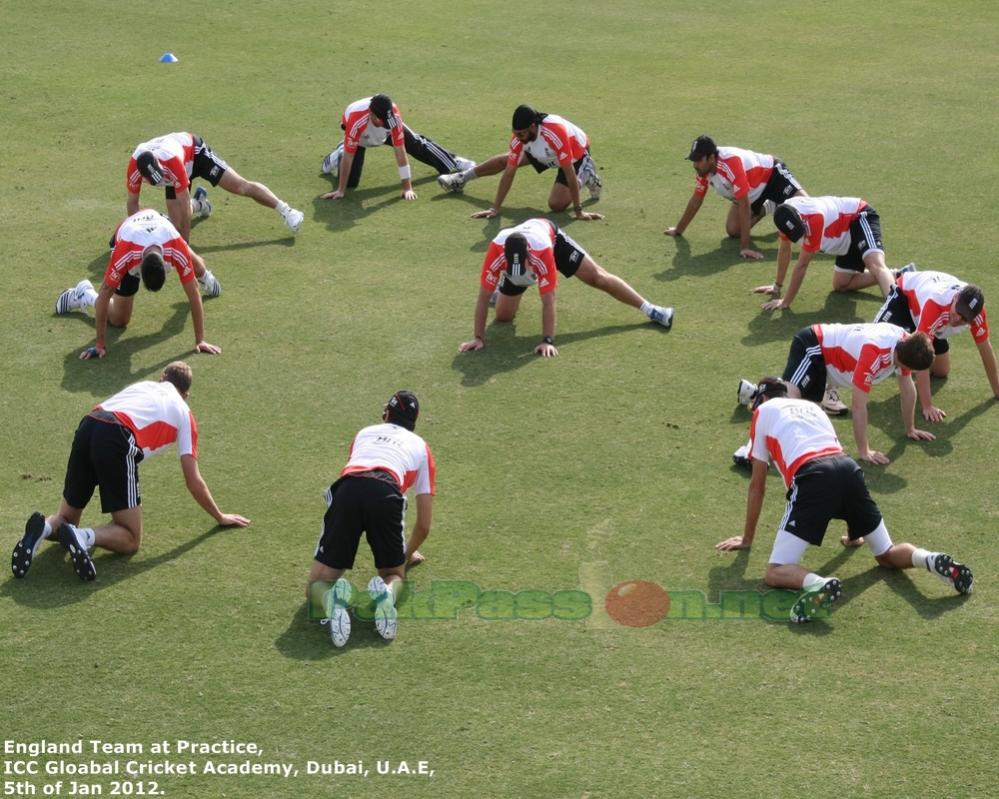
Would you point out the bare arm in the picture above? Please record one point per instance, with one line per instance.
(477, 342)
(858, 411)
(198, 319)
(99, 350)
(745, 226)
(404, 173)
(506, 181)
(924, 392)
(754, 504)
(988, 357)
(693, 206)
(424, 514)
(547, 349)
(797, 276)
(179, 211)
(131, 204)
(198, 488)
(907, 396)
(346, 165)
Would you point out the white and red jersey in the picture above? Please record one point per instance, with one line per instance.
(791, 432)
(157, 416)
(175, 152)
(827, 222)
(930, 296)
(862, 355)
(739, 173)
(138, 232)
(558, 143)
(540, 235)
(394, 449)
(358, 132)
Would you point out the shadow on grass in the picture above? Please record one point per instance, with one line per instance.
(767, 326)
(359, 203)
(101, 378)
(732, 577)
(285, 241)
(52, 583)
(505, 351)
(307, 639)
(708, 263)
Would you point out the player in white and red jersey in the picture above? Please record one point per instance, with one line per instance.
(173, 161)
(545, 141)
(752, 182)
(386, 460)
(110, 442)
(533, 253)
(146, 246)
(372, 122)
(823, 484)
(941, 306)
(858, 357)
(846, 227)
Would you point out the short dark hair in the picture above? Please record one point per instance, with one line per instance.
(768, 388)
(789, 222)
(402, 409)
(381, 106)
(153, 271)
(915, 352)
(179, 374)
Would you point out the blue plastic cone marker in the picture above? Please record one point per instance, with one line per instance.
(168, 58)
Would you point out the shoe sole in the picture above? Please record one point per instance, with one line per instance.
(957, 574)
(339, 615)
(448, 186)
(386, 616)
(834, 411)
(82, 564)
(811, 603)
(21, 557)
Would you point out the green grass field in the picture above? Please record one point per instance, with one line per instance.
(608, 464)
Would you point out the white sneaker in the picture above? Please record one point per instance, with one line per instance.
(957, 574)
(74, 299)
(747, 392)
(769, 206)
(589, 178)
(331, 163)
(385, 612)
(454, 182)
(293, 219)
(831, 403)
(199, 203)
(336, 602)
(662, 316)
(210, 284)
(741, 457)
(462, 164)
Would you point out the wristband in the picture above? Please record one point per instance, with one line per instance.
(405, 172)
(548, 340)
(578, 209)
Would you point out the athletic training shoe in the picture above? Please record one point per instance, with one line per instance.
(957, 574)
(454, 182)
(463, 164)
(331, 163)
(769, 206)
(200, 204)
(385, 612)
(82, 564)
(210, 284)
(293, 219)
(25, 549)
(814, 599)
(73, 299)
(588, 177)
(337, 601)
(746, 393)
(909, 267)
(741, 457)
(832, 404)
(662, 316)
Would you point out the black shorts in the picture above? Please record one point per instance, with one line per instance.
(560, 176)
(104, 454)
(129, 285)
(829, 488)
(781, 186)
(865, 237)
(805, 367)
(896, 311)
(206, 165)
(568, 258)
(363, 504)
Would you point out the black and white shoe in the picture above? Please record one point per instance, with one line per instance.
(815, 599)
(25, 549)
(82, 564)
(957, 574)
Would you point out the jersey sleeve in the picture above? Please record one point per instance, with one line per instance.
(175, 165)
(737, 175)
(516, 151)
(178, 253)
(187, 436)
(814, 224)
(426, 478)
(548, 280)
(123, 257)
(863, 372)
(929, 315)
(492, 267)
(700, 185)
(396, 128)
(560, 140)
(757, 440)
(353, 129)
(133, 180)
(980, 328)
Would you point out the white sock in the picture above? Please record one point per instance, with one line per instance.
(813, 580)
(924, 558)
(87, 536)
(282, 208)
(469, 174)
(46, 531)
(647, 307)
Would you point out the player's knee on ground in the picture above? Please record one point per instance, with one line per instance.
(772, 575)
